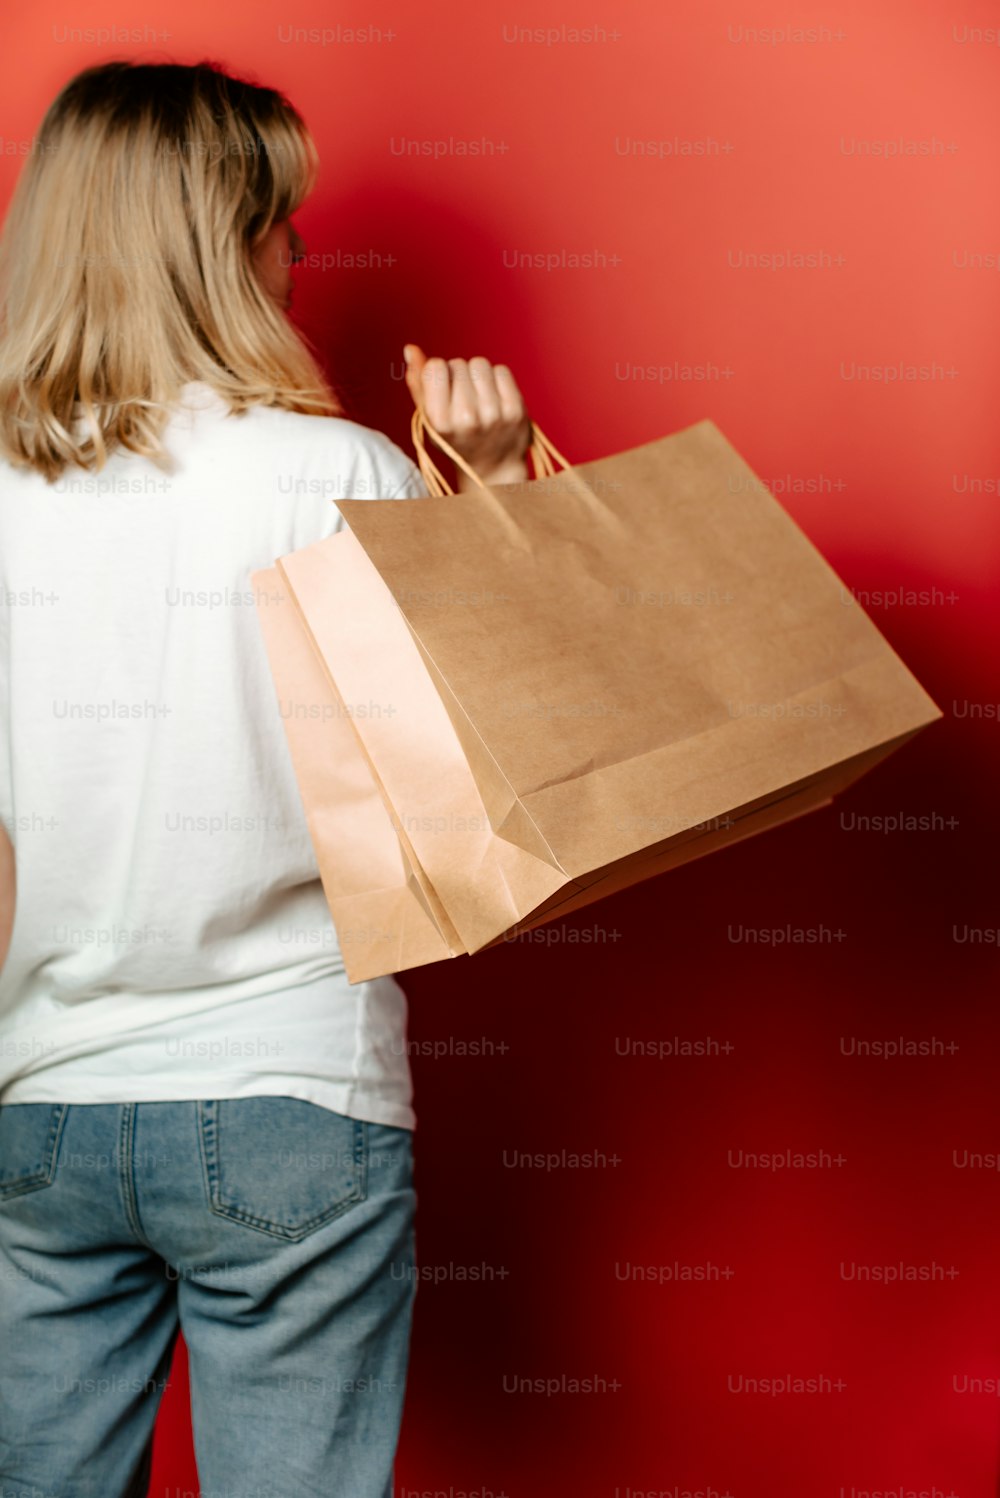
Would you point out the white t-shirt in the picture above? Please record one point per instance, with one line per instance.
(171, 938)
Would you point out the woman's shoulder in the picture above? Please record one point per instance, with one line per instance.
(313, 438)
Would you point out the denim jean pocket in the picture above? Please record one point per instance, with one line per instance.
(280, 1164)
(29, 1146)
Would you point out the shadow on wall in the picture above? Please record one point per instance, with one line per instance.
(415, 287)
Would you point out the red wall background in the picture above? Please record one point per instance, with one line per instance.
(871, 146)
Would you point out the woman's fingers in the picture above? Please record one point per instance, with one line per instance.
(487, 397)
(474, 405)
(429, 384)
(464, 410)
(435, 386)
(459, 395)
(510, 398)
(415, 359)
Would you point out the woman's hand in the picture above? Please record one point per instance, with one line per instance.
(477, 408)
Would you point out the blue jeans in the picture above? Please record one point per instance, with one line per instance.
(277, 1235)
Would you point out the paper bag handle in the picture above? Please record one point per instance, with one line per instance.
(542, 454)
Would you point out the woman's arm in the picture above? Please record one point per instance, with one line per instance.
(7, 892)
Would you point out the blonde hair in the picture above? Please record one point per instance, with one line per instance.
(125, 262)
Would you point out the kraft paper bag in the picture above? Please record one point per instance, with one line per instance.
(541, 693)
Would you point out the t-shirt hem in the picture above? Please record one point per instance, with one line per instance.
(351, 1101)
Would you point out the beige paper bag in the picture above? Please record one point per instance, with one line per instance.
(544, 692)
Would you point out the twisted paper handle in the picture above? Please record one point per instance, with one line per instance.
(541, 450)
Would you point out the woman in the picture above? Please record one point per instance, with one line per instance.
(202, 1124)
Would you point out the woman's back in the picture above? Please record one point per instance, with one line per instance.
(171, 936)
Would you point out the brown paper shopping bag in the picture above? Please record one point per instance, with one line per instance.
(540, 693)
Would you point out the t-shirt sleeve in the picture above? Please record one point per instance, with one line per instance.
(414, 486)
(396, 475)
(379, 470)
